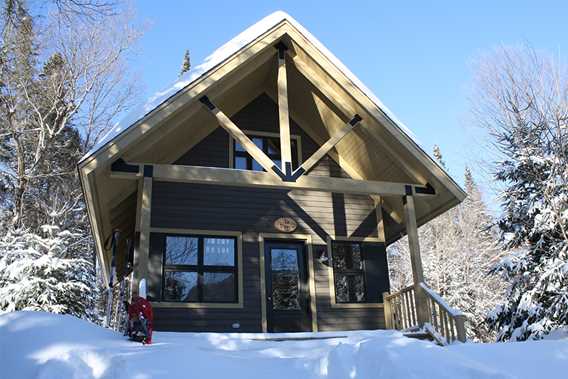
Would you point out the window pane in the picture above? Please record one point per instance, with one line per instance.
(347, 256)
(219, 252)
(256, 166)
(258, 142)
(180, 286)
(273, 145)
(241, 163)
(218, 287)
(349, 288)
(239, 147)
(285, 279)
(277, 162)
(181, 250)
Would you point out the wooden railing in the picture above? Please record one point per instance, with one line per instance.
(443, 323)
(400, 309)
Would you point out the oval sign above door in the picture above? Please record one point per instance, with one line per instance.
(285, 224)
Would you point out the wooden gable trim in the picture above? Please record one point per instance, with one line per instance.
(355, 93)
(261, 46)
(311, 76)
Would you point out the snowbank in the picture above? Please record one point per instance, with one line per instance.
(46, 346)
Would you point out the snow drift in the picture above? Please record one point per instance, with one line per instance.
(48, 346)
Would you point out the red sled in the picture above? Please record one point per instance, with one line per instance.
(140, 320)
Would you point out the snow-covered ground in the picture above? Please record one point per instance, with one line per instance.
(46, 346)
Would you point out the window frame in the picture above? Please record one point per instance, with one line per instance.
(201, 268)
(233, 153)
(331, 272)
(238, 302)
(353, 272)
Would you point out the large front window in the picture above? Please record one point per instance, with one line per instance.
(269, 145)
(348, 272)
(199, 269)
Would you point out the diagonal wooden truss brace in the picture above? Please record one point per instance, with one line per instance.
(326, 147)
(255, 152)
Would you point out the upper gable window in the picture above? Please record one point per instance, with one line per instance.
(269, 143)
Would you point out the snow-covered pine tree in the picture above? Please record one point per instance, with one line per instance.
(522, 101)
(48, 272)
(56, 98)
(457, 249)
(185, 64)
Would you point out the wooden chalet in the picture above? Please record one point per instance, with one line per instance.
(260, 193)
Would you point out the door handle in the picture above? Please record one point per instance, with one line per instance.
(269, 298)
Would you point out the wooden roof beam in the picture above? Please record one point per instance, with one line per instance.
(245, 178)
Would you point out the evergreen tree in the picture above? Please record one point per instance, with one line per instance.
(51, 101)
(185, 64)
(48, 272)
(523, 104)
(438, 156)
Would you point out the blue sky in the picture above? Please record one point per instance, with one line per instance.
(417, 56)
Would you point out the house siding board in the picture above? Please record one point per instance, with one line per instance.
(253, 211)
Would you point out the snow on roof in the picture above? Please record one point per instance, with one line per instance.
(219, 56)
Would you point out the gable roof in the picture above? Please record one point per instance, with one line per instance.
(323, 92)
(222, 54)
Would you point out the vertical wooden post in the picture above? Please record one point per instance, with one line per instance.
(142, 250)
(380, 220)
(283, 112)
(415, 259)
(388, 311)
(460, 327)
(261, 263)
(387, 307)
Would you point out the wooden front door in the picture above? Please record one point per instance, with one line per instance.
(287, 294)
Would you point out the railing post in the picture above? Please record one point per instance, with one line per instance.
(387, 311)
(460, 327)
